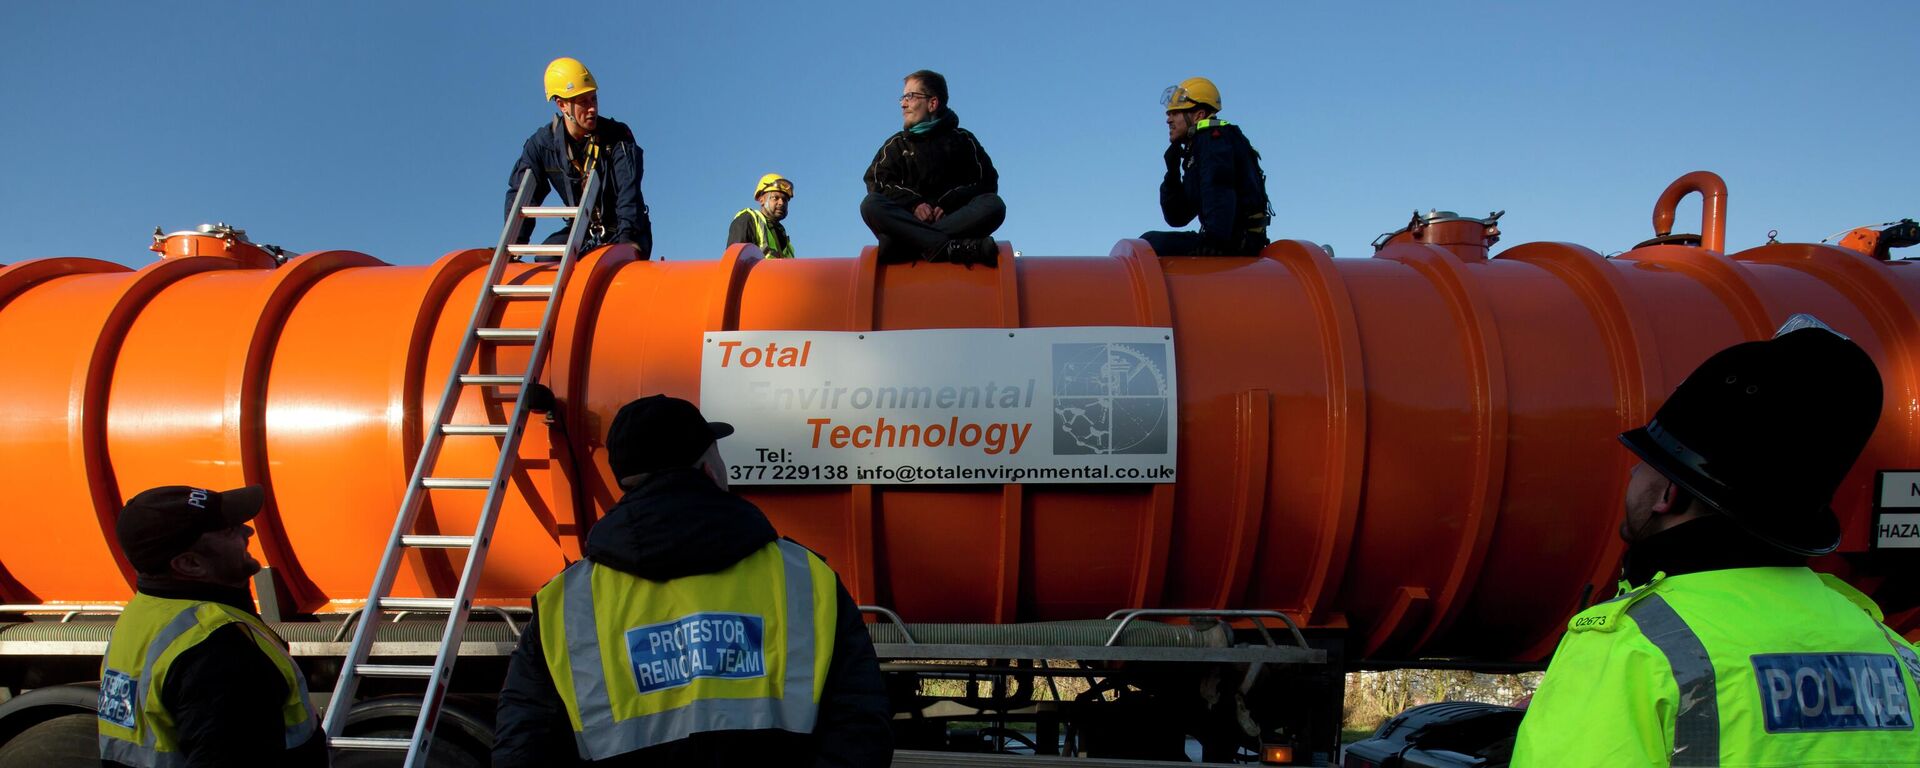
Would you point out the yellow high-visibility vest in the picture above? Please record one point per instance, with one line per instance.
(763, 233)
(641, 663)
(135, 728)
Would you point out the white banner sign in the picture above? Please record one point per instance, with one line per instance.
(950, 406)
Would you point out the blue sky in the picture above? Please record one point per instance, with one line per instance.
(390, 128)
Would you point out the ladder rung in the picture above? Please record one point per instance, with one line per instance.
(474, 429)
(394, 670)
(532, 291)
(550, 212)
(436, 542)
(458, 483)
(369, 742)
(416, 603)
(529, 249)
(507, 334)
(490, 379)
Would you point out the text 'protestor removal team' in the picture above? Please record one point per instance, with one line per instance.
(932, 191)
(693, 634)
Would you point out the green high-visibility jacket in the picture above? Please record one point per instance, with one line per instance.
(1736, 667)
(135, 727)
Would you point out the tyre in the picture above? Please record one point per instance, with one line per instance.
(67, 741)
(447, 753)
(462, 740)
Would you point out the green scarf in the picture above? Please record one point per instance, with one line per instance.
(926, 125)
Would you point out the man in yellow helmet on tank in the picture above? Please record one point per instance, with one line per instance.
(1213, 174)
(761, 226)
(563, 151)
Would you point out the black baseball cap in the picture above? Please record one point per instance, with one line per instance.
(659, 432)
(1766, 431)
(163, 522)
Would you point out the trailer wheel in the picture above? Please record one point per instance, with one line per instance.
(51, 726)
(462, 740)
(66, 741)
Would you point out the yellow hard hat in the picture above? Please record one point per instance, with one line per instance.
(773, 182)
(1191, 92)
(567, 78)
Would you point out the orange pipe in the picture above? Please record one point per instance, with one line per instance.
(1414, 448)
(1713, 208)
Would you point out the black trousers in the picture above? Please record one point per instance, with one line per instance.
(904, 238)
(1191, 244)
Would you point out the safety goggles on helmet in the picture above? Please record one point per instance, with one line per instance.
(1191, 93)
(774, 185)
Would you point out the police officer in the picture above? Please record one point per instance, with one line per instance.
(731, 646)
(578, 139)
(1728, 650)
(1213, 174)
(760, 225)
(192, 676)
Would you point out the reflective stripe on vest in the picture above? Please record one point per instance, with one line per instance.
(1696, 724)
(763, 233)
(1907, 656)
(135, 728)
(600, 734)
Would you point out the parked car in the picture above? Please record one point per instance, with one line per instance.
(1450, 734)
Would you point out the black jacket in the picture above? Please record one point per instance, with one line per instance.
(622, 210)
(1710, 543)
(1220, 181)
(945, 167)
(225, 695)
(675, 524)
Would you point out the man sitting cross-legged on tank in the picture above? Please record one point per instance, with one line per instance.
(932, 190)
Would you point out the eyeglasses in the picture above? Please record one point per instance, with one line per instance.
(910, 96)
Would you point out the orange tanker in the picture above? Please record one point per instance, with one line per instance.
(1415, 450)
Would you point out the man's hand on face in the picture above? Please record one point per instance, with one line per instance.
(924, 212)
(1175, 153)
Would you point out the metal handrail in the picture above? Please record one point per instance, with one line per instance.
(894, 617)
(1127, 615)
(505, 612)
(67, 611)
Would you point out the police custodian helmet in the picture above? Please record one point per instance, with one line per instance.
(1764, 432)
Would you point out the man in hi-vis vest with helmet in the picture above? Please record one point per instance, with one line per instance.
(692, 634)
(1213, 174)
(1727, 650)
(561, 153)
(760, 225)
(192, 677)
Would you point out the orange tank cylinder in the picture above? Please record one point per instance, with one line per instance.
(1416, 448)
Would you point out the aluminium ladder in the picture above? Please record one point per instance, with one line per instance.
(422, 480)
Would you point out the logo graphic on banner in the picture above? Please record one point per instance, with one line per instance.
(1110, 398)
(985, 405)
